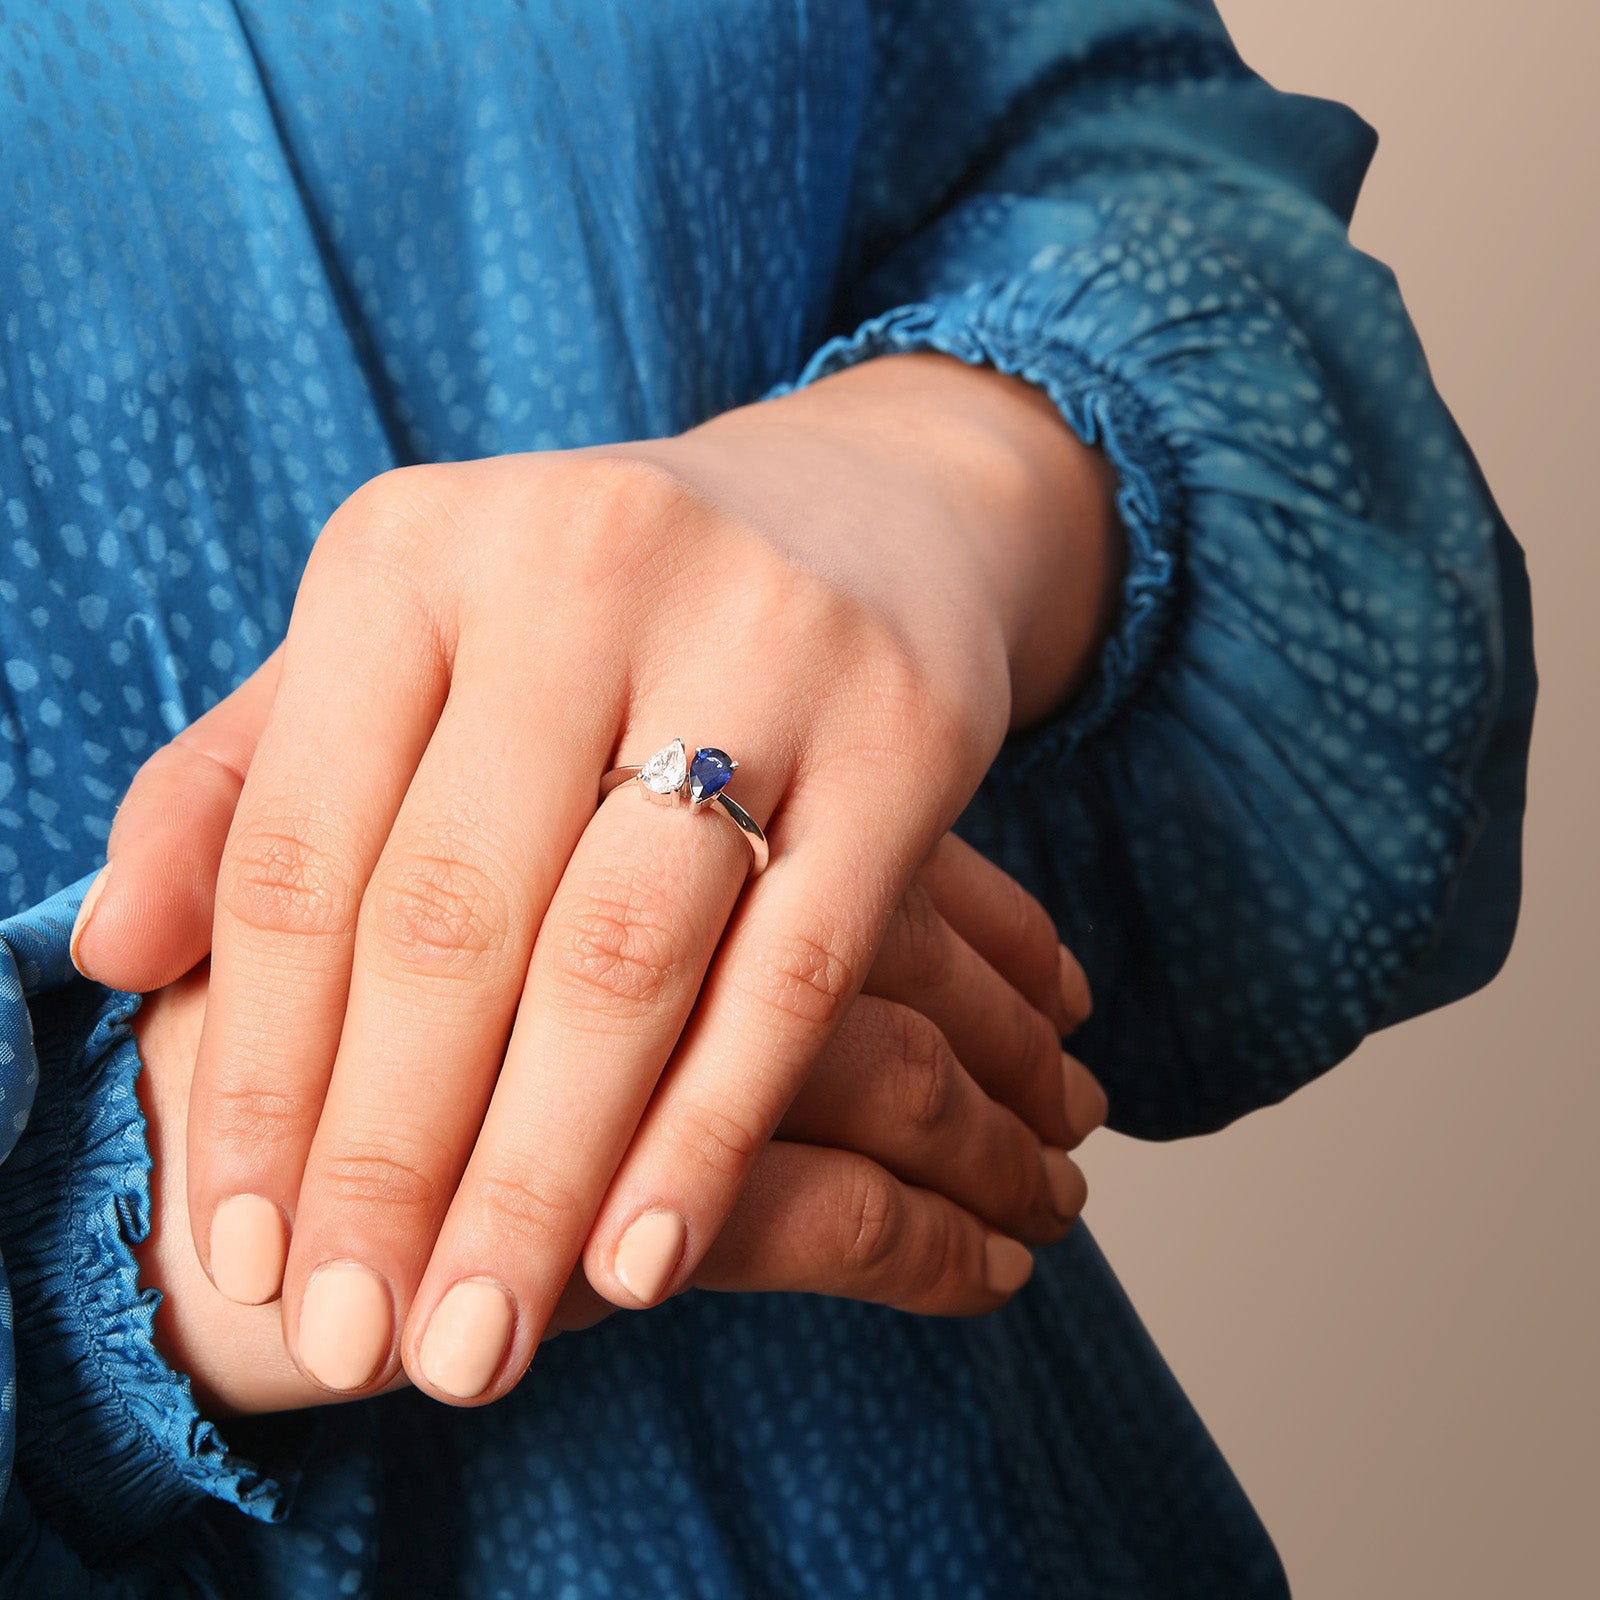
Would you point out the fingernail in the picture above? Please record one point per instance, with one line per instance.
(91, 899)
(249, 1244)
(1087, 1107)
(647, 1253)
(1007, 1265)
(466, 1338)
(1075, 997)
(1068, 1190)
(346, 1325)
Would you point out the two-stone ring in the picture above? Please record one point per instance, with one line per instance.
(672, 773)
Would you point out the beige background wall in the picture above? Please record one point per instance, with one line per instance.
(1383, 1295)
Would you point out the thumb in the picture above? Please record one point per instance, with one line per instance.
(149, 912)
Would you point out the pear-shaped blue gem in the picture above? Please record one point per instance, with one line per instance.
(709, 773)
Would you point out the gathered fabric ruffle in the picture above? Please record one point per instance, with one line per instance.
(1277, 746)
(994, 324)
(108, 1439)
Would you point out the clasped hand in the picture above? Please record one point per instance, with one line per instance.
(467, 1031)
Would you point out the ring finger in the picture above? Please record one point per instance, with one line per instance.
(889, 1087)
(833, 1222)
(815, 1220)
(1007, 1044)
(614, 973)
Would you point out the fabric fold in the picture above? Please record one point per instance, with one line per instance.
(1277, 747)
(994, 324)
(108, 1440)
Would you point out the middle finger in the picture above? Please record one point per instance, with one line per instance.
(1007, 1044)
(442, 944)
(889, 1087)
(614, 973)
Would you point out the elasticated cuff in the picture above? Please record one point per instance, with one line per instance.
(108, 1438)
(1264, 781)
(998, 324)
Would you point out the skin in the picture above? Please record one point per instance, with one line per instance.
(890, 1171)
(463, 1025)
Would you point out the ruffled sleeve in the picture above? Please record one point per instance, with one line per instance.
(1287, 807)
(100, 1441)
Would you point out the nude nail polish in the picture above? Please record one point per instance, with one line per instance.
(249, 1244)
(1065, 1182)
(346, 1325)
(91, 899)
(466, 1338)
(647, 1253)
(1087, 1107)
(1075, 997)
(1007, 1265)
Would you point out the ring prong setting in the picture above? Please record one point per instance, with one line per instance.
(671, 774)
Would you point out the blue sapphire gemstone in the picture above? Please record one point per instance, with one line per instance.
(709, 773)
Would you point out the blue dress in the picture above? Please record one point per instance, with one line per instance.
(254, 253)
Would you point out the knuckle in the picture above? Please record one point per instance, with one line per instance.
(925, 1073)
(392, 517)
(533, 1202)
(918, 946)
(383, 546)
(886, 709)
(716, 1142)
(261, 1119)
(437, 913)
(805, 981)
(903, 712)
(1036, 1048)
(786, 609)
(1026, 930)
(620, 510)
(380, 1181)
(871, 1222)
(620, 487)
(945, 1263)
(619, 950)
(277, 879)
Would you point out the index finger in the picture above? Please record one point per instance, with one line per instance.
(151, 921)
(358, 694)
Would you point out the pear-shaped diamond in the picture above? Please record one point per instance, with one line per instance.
(665, 771)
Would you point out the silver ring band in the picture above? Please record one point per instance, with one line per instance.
(700, 778)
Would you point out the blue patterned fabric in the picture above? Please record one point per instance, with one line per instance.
(255, 253)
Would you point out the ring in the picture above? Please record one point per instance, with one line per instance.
(672, 773)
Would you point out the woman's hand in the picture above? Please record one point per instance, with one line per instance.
(856, 1197)
(853, 589)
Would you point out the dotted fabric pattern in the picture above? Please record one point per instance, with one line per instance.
(254, 254)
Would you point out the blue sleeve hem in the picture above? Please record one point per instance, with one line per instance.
(108, 1439)
(1249, 826)
(991, 324)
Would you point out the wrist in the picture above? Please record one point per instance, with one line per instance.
(1008, 509)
